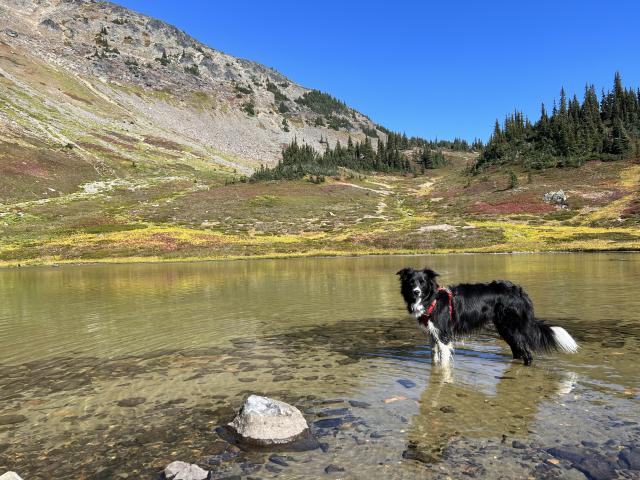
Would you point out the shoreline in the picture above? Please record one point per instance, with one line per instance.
(38, 263)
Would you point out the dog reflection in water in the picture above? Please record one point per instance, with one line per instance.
(484, 407)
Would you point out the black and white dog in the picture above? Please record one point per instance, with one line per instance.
(445, 314)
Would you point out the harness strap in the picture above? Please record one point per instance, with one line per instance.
(426, 316)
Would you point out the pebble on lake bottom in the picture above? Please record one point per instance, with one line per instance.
(333, 469)
(131, 402)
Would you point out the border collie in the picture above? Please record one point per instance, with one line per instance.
(445, 314)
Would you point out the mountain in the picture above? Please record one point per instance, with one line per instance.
(109, 93)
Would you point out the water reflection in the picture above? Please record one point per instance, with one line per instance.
(493, 404)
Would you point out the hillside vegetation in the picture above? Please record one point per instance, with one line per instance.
(442, 211)
(124, 139)
(605, 129)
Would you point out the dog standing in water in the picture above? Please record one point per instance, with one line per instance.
(445, 314)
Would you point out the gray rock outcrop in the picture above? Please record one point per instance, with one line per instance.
(556, 198)
(264, 421)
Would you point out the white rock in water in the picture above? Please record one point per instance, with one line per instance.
(10, 476)
(184, 471)
(264, 421)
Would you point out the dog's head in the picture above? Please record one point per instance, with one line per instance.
(417, 286)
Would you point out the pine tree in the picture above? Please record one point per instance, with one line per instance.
(620, 141)
(606, 128)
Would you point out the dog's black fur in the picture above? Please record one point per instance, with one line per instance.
(475, 305)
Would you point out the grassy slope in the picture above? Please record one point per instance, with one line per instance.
(171, 218)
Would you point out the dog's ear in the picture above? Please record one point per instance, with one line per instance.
(430, 273)
(405, 272)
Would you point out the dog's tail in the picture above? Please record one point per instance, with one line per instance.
(546, 337)
(563, 341)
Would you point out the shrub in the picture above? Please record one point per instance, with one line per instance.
(243, 90)
(282, 108)
(322, 103)
(164, 60)
(277, 94)
(249, 108)
(193, 70)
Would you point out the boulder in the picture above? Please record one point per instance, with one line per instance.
(556, 198)
(184, 471)
(10, 476)
(264, 421)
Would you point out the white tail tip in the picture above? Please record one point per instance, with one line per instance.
(564, 341)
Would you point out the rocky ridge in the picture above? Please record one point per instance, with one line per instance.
(72, 70)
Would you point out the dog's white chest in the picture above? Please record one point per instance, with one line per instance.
(417, 309)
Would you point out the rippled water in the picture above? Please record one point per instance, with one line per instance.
(115, 371)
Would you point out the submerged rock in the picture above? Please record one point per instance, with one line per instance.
(131, 402)
(572, 454)
(280, 460)
(184, 471)
(328, 423)
(406, 383)
(597, 468)
(418, 455)
(264, 421)
(630, 457)
(11, 419)
(333, 469)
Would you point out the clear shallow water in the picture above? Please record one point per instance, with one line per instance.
(114, 371)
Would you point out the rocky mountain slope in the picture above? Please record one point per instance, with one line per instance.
(110, 93)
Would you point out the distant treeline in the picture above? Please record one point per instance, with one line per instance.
(457, 144)
(607, 128)
(302, 160)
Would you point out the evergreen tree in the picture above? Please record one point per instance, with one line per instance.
(605, 128)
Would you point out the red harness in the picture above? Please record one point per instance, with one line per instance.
(426, 316)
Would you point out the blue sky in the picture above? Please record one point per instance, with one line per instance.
(434, 69)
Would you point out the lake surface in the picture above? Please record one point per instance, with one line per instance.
(115, 371)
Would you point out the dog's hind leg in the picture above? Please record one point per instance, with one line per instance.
(515, 342)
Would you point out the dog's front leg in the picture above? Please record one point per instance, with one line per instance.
(446, 353)
(436, 355)
(441, 352)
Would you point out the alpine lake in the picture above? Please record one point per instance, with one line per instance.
(115, 371)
